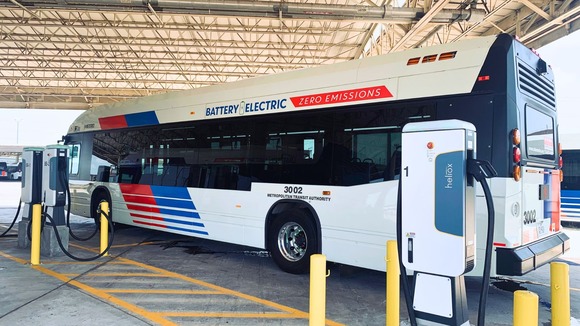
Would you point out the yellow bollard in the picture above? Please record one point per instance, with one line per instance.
(393, 284)
(560, 290)
(35, 241)
(317, 290)
(104, 227)
(525, 308)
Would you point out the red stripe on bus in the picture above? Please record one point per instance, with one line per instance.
(114, 122)
(149, 217)
(140, 208)
(497, 244)
(151, 224)
(139, 199)
(349, 95)
(131, 189)
(555, 204)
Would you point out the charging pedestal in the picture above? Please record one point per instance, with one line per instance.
(438, 217)
(54, 183)
(31, 192)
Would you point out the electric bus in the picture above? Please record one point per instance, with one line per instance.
(308, 161)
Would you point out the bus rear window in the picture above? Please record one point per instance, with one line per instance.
(539, 135)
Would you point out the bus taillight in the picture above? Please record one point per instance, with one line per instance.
(516, 136)
(517, 154)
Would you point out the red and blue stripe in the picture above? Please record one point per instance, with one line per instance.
(148, 118)
(163, 207)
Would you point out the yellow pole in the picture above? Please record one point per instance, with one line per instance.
(525, 308)
(317, 290)
(35, 242)
(560, 288)
(393, 284)
(104, 227)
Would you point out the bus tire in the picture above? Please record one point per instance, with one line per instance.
(292, 240)
(98, 197)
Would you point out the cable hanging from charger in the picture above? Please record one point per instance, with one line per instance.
(482, 170)
(4, 234)
(66, 252)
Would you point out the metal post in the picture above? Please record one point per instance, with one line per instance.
(104, 227)
(560, 289)
(317, 290)
(35, 242)
(525, 308)
(393, 285)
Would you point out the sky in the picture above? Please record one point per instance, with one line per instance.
(45, 127)
(562, 56)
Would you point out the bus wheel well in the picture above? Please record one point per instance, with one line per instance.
(99, 194)
(293, 235)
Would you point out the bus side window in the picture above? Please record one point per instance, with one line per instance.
(75, 155)
(393, 171)
(103, 173)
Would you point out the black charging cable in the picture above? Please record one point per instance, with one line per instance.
(66, 252)
(482, 170)
(70, 231)
(4, 234)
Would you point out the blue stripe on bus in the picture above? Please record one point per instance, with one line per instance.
(177, 203)
(171, 192)
(570, 200)
(570, 193)
(186, 230)
(178, 213)
(171, 220)
(569, 206)
(142, 119)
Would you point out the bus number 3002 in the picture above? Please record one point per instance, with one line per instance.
(292, 190)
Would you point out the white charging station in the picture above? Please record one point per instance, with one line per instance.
(31, 189)
(438, 217)
(55, 175)
(32, 175)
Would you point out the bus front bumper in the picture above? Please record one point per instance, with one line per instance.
(521, 260)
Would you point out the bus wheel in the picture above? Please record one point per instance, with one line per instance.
(293, 240)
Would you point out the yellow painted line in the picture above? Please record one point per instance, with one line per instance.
(16, 259)
(296, 312)
(161, 291)
(260, 315)
(119, 275)
(156, 317)
(74, 262)
(152, 316)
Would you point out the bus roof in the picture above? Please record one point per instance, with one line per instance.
(444, 69)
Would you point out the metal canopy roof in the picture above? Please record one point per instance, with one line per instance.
(61, 54)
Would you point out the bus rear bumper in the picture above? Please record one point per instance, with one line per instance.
(519, 261)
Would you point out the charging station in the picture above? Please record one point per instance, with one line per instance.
(45, 183)
(54, 187)
(438, 217)
(31, 192)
